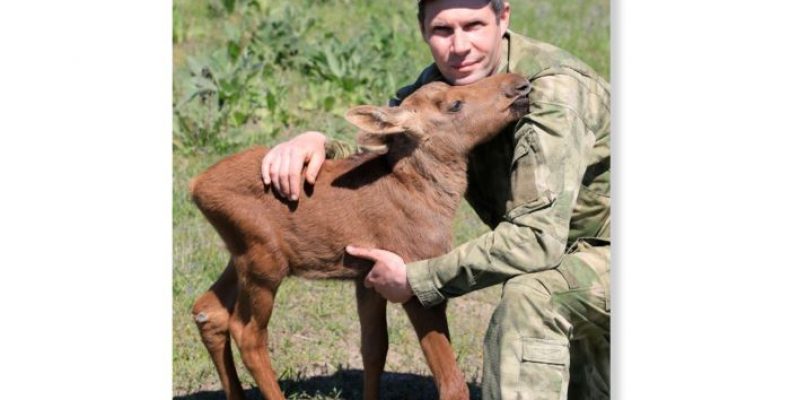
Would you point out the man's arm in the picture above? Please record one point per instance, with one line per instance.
(552, 144)
(337, 149)
(282, 166)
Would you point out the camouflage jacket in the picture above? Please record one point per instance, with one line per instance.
(540, 186)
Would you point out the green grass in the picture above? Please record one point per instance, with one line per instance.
(263, 71)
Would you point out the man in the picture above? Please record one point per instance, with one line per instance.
(543, 188)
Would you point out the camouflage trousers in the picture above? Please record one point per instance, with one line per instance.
(549, 335)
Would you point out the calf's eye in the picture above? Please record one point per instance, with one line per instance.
(455, 106)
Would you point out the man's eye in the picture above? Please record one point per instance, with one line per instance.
(442, 30)
(456, 106)
(474, 26)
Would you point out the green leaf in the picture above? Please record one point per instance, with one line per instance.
(230, 5)
(329, 103)
(238, 118)
(332, 63)
(195, 65)
(271, 101)
(234, 50)
(203, 83)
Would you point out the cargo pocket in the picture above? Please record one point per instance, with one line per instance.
(530, 180)
(544, 371)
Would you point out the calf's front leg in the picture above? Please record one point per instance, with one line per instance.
(430, 324)
(372, 310)
(254, 310)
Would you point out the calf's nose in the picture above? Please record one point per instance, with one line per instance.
(518, 86)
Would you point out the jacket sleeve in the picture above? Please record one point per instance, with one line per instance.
(336, 149)
(551, 144)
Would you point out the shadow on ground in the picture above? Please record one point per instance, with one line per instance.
(345, 384)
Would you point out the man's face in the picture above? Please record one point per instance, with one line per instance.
(464, 37)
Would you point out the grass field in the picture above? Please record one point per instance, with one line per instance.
(258, 72)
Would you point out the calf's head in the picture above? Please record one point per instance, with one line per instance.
(458, 117)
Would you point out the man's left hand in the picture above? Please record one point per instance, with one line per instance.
(388, 276)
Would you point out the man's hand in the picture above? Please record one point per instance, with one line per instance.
(282, 166)
(388, 276)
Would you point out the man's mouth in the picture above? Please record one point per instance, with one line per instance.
(466, 65)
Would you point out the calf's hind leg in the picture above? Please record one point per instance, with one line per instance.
(212, 317)
(434, 335)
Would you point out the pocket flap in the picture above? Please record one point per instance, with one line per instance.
(545, 351)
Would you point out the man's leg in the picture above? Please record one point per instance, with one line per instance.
(540, 318)
(587, 306)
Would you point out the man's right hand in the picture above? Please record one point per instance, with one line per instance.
(282, 166)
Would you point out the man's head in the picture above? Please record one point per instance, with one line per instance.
(464, 36)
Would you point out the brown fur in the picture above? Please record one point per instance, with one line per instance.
(402, 201)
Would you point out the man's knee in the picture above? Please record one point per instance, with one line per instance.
(527, 347)
(586, 303)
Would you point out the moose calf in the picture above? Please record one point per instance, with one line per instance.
(403, 201)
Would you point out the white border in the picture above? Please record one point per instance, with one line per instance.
(700, 151)
(85, 199)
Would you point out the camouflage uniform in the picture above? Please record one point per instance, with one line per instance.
(544, 190)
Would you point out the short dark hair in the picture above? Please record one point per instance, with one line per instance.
(496, 5)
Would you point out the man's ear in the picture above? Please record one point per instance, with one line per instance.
(504, 18)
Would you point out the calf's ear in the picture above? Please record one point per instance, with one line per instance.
(373, 142)
(379, 120)
(384, 121)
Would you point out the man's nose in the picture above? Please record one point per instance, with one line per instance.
(460, 43)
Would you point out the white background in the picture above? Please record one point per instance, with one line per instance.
(700, 153)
